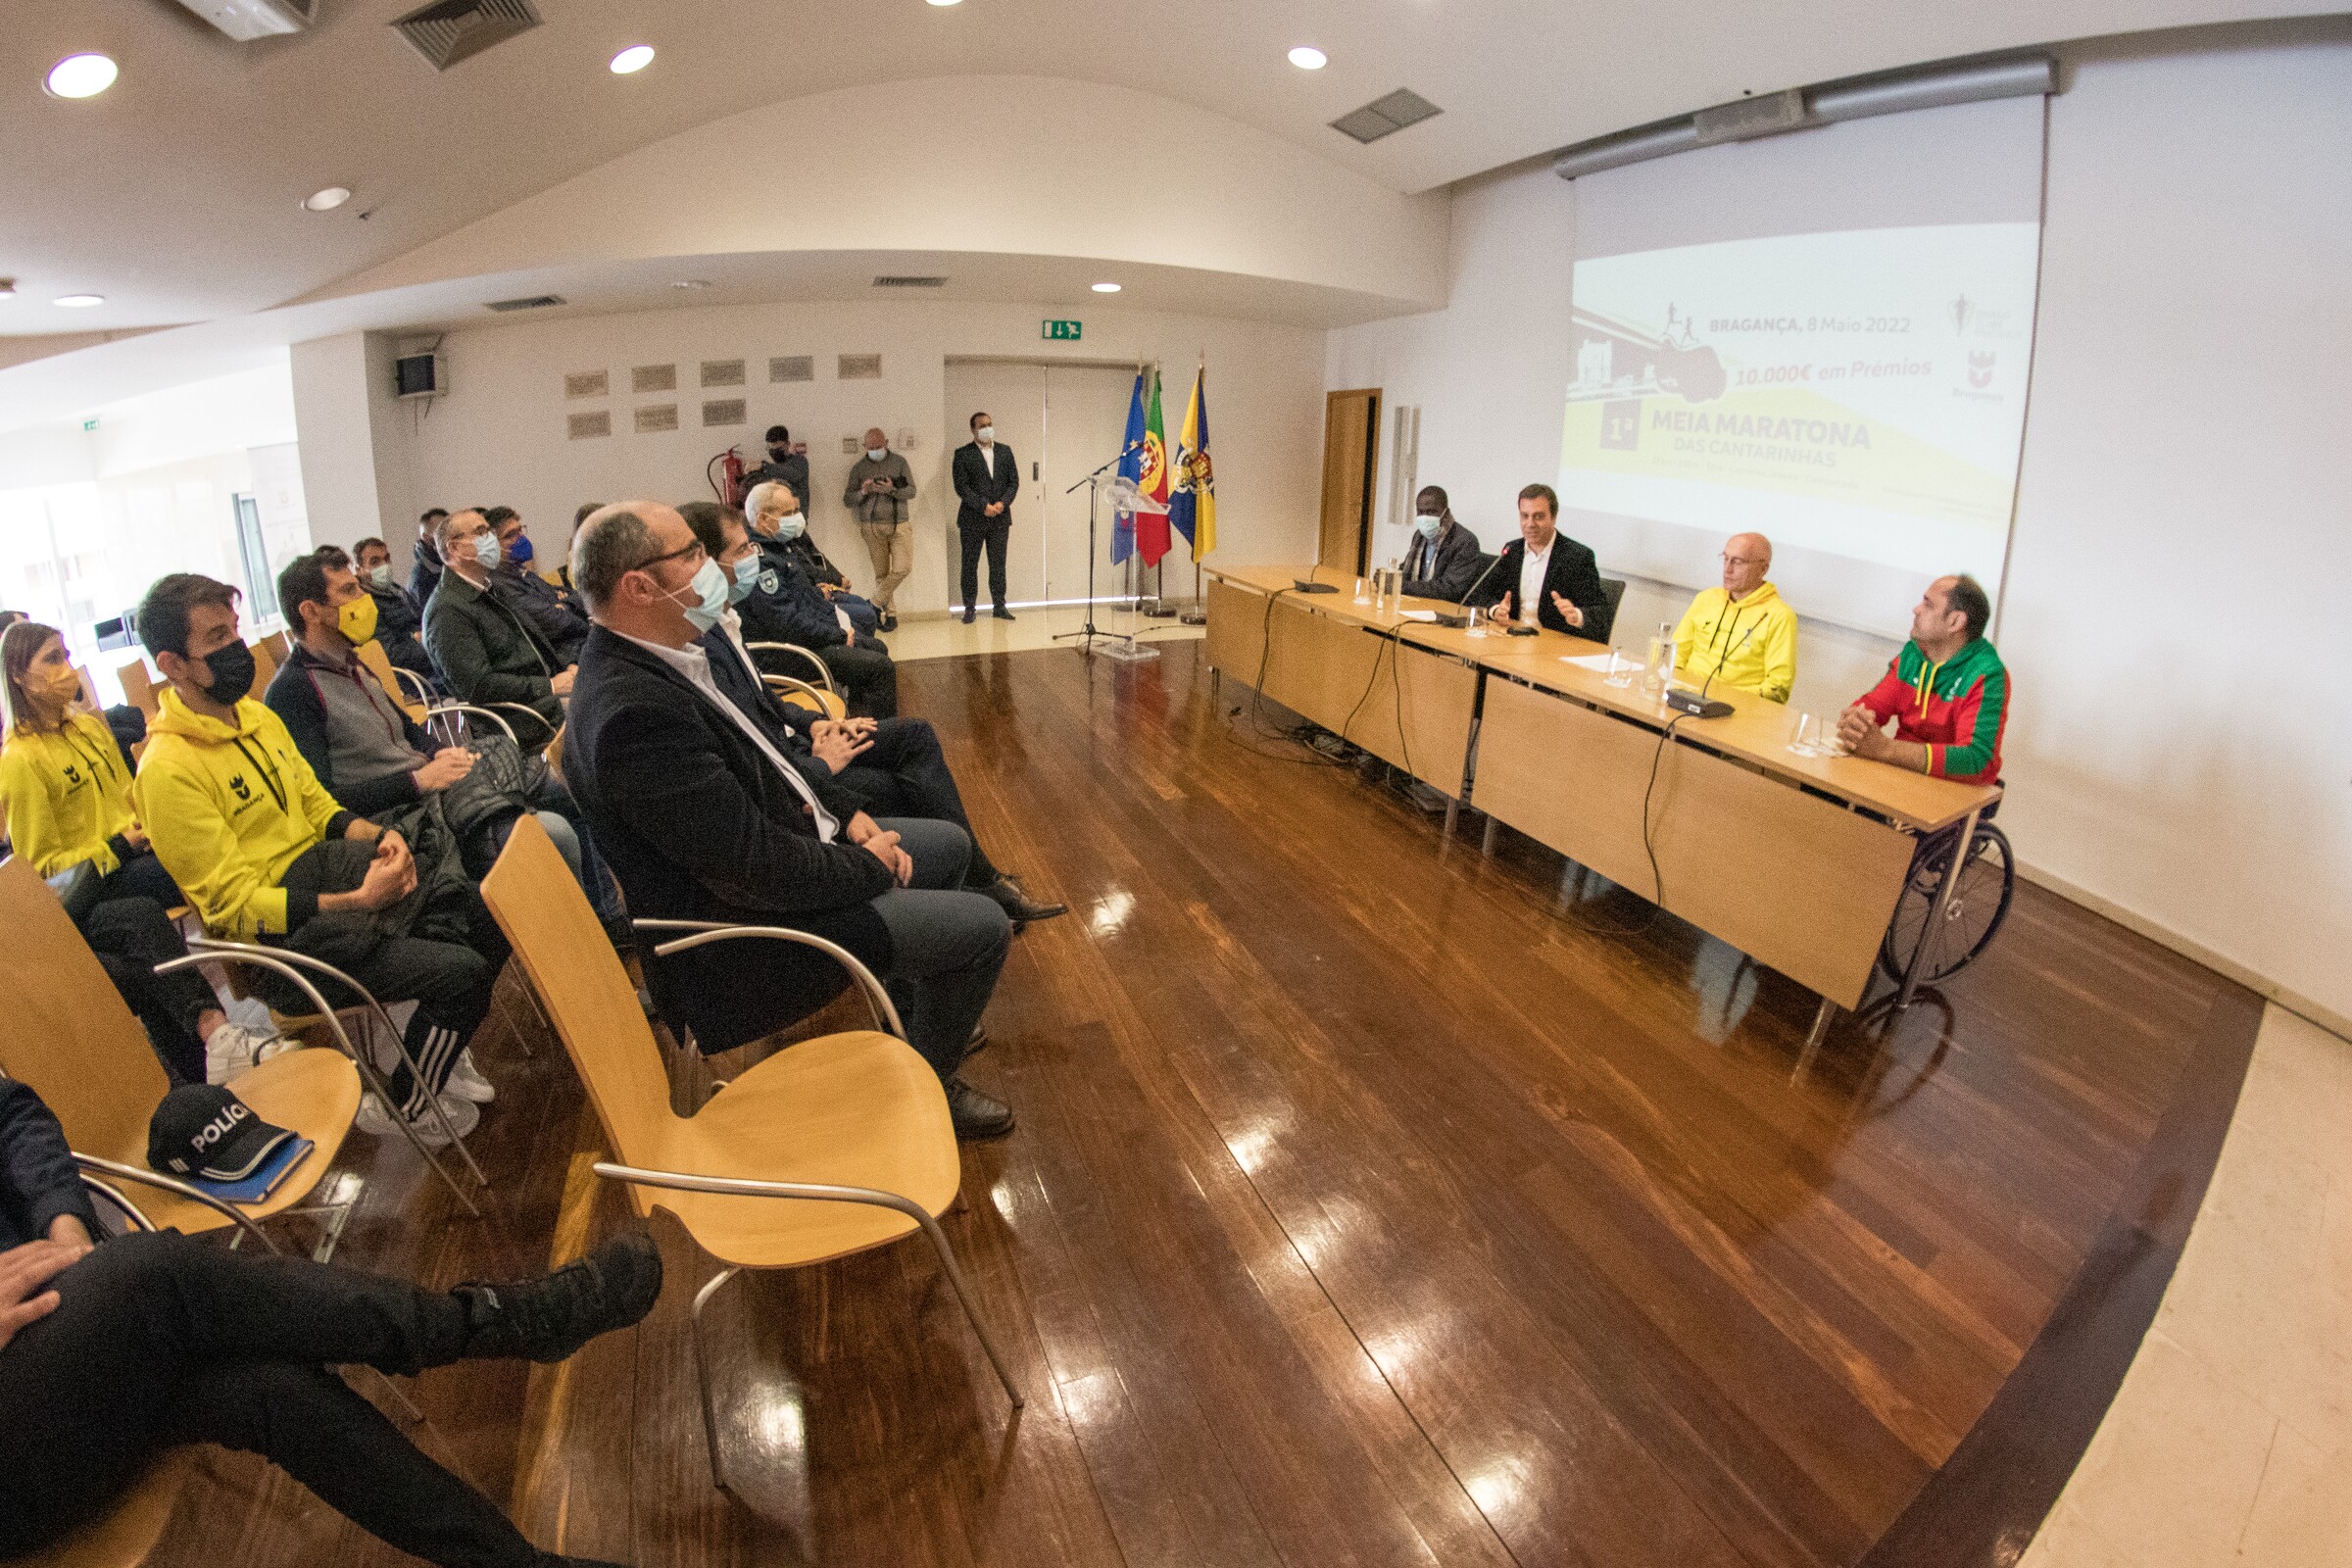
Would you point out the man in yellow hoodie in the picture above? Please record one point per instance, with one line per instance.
(1740, 635)
(266, 855)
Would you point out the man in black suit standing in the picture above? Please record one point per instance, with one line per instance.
(1544, 576)
(703, 818)
(987, 478)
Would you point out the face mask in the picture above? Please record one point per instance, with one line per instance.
(485, 551)
(1427, 524)
(709, 586)
(876, 454)
(985, 434)
(747, 572)
(357, 621)
(232, 673)
(60, 685)
(380, 576)
(789, 529)
(522, 551)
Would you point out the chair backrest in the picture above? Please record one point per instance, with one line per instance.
(265, 660)
(1612, 589)
(571, 965)
(67, 1031)
(139, 687)
(380, 665)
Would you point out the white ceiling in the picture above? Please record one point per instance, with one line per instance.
(174, 194)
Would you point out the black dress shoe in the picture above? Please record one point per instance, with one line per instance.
(1020, 906)
(967, 614)
(975, 1113)
(1002, 613)
(977, 1043)
(890, 621)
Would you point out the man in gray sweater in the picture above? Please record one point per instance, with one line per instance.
(877, 493)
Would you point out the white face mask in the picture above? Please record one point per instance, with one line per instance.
(1427, 523)
(986, 435)
(876, 454)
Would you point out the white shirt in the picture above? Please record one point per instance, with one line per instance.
(1532, 568)
(694, 663)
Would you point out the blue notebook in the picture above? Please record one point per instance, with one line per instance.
(263, 1182)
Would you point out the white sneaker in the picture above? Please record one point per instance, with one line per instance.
(238, 1048)
(377, 1121)
(467, 1082)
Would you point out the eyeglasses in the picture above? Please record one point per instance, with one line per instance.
(694, 550)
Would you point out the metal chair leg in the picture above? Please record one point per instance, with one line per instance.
(963, 1298)
(701, 1372)
(1821, 1016)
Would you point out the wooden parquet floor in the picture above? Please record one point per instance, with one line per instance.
(1369, 1205)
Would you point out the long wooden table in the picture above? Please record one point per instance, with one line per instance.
(1797, 860)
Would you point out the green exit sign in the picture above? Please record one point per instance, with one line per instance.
(90, 425)
(1063, 331)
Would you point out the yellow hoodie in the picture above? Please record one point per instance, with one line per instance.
(228, 807)
(1749, 646)
(67, 794)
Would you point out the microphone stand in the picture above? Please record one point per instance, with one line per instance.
(1123, 646)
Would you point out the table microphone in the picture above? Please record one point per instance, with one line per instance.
(1696, 704)
(1309, 585)
(1480, 581)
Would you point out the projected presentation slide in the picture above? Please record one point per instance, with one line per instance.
(1859, 394)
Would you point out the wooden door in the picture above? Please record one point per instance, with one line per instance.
(1351, 453)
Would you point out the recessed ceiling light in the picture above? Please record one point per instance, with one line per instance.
(1107, 288)
(943, 2)
(79, 301)
(1308, 57)
(325, 201)
(81, 76)
(632, 60)
(692, 282)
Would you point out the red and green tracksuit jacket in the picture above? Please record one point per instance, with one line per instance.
(1957, 709)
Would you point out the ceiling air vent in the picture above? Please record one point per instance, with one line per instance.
(537, 302)
(910, 282)
(1384, 116)
(451, 31)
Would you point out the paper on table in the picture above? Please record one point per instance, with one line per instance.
(1416, 615)
(1592, 662)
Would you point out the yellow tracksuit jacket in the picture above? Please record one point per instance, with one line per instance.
(67, 794)
(228, 807)
(1750, 646)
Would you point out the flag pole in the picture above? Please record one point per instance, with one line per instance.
(1198, 616)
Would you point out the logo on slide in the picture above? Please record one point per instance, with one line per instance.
(1621, 426)
(1962, 309)
(1980, 369)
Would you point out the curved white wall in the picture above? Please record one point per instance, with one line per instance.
(1027, 166)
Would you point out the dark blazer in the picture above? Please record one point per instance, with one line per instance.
(1570, 572)
(560, 624)
(38, 1180)
(1456, 566)
(978, 483)
(699, 826)
(488, 654)
(784, 605)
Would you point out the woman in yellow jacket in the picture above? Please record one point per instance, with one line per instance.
(67, 789)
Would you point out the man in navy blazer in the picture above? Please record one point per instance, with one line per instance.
(987, 478)
(702, 817)
(1544, 576)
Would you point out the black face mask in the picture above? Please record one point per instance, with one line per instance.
(233, 671)
(780, 453)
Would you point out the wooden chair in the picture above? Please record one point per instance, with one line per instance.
(822, 699)
(265, 660)
(72, 1038)
(833, 1147)
(380, 665)
(139, 688)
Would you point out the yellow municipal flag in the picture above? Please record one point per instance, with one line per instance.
(1192, 508)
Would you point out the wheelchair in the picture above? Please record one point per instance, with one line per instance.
(1980, 902)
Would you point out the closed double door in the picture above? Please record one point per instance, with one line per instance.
(1061, 422)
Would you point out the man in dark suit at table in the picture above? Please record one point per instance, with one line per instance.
(1544, 577)
(987, 478)
(1444, 559)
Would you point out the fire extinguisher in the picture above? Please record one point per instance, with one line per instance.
(727, 481)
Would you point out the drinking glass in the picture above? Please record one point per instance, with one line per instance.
(1361, 597)
(1806, 740)
(1621, 668)
(1478, 622)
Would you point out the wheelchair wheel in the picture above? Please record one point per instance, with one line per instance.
(1980, 902)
